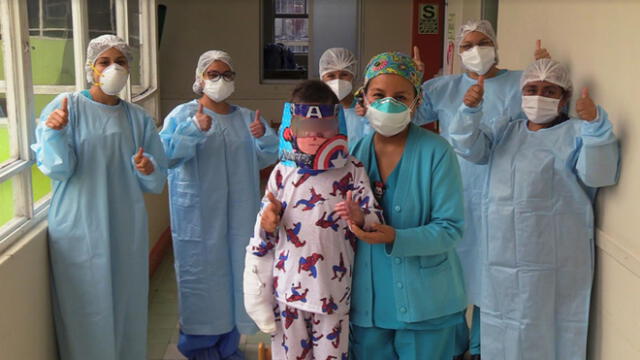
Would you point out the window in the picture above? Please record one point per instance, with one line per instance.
(52, 66)
(57, 32)
(285, 39)
(7, 152)
(297, 32)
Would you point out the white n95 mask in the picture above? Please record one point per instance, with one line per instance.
(389, 116)
(340, 87)
(479, 59)
(540, 109)
(112, 79)
(218, 90)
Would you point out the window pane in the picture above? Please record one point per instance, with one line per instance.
(102, 18)
(40, 183)
(41, 100)
(51, 38)
(133, 12)
(291, 6)
(6, 153)
(7, 210)
(5, 146)
(285, 40)
(293, 33)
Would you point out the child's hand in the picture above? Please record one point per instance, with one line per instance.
(350, 211)
(270, 218)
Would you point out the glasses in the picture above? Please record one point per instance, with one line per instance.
(216, 75)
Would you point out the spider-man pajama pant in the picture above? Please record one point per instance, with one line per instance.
(306, 335)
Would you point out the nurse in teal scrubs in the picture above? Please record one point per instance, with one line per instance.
(408, 289)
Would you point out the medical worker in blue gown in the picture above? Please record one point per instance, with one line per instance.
(102, 153)
(338, 69)
(215, 151)
(477, 48)
(544, 168)
(408, 290)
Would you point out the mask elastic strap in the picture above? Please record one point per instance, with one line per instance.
(414, 102)
(97, 73)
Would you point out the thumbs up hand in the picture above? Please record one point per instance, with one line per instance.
(270, 218)
(541, 53)
(475, 93)
(417, 60)
(143, 164)
(585, 107)
(350, 211)
(204, 120)
(59, 118)
(257, 127)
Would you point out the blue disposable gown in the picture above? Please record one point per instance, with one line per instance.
(98, 240)
(538, 211)
(357, 126)
(442, 97)
(214, 199)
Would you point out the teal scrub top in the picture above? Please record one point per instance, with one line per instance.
(87, 94)
(382, 278)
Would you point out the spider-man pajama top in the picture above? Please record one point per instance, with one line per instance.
(313, 250)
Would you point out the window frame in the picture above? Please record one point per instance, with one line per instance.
(285, 16)
(273, 15)
(20, 92)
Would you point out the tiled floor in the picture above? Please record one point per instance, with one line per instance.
(163, 318)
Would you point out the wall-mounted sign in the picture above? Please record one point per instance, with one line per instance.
(428, 23)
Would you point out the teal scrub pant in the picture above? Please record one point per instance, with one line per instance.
(371, 343)
(464, 340)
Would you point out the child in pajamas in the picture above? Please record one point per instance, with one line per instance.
(298, 265)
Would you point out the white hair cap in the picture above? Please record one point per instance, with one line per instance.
(481, 26)
(204, 62)
(337, 59)
(101, 44)
(547, 70)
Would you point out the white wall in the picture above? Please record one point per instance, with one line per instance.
(26, 324)
(386, 26)
(234, 26)
(195, 26)
(598, 41)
